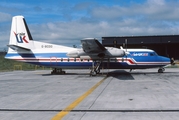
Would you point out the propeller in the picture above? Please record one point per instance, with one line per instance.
(125, 50)
(174, 62)
(126, 45)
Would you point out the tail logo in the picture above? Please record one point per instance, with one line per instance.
(20, 37)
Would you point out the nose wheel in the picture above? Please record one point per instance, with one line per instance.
(161, 70)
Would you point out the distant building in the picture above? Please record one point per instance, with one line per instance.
(165, 45)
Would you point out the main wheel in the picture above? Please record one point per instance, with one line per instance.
(161, 70)
(92, 73)
(97, 71)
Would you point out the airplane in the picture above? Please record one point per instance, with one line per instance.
(92, 55)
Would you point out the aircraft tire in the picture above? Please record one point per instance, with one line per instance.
(161, 70)
(93, 73)
(97, 71)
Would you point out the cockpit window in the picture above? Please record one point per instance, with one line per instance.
(156, 54)
(153, 54)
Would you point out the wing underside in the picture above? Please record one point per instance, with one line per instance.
(92, 46)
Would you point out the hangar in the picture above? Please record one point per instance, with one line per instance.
(165, 45)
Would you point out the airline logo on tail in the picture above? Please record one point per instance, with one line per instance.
(20, 37)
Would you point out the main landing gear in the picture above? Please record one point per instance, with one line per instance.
(161, 70)
(95, 68)
(57, 71)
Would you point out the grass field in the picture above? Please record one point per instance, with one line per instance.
(9, 65)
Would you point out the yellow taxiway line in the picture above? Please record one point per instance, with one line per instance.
(65, 111)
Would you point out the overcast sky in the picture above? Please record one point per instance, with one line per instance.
(66, 22)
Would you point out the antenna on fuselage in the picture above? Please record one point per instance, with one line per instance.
(126, 48)
(126, 45)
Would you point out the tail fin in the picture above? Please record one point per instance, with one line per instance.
(20, 37)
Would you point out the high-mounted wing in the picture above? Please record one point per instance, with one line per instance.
(92, 45)
(93, 49)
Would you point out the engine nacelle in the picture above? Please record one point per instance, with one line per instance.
(114, 52)
(108, 53)
(85, 57)
(76, 53)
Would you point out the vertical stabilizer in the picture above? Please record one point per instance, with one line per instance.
(20, 35)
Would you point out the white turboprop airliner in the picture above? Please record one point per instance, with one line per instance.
(92, 54)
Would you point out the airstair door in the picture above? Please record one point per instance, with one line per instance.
(53, 61)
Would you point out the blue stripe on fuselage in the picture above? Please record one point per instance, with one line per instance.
(137, 56)
(37, 55)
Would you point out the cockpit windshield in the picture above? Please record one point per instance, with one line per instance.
(153, 54)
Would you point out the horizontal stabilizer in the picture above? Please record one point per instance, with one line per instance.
(18, 48)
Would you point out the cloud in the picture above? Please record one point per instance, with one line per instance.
(83, 6)
(5, 17)
(38, 8)
(152, 9)
(68, 23)
(72, 32)
(156, 2)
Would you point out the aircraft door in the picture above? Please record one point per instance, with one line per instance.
(53, 61)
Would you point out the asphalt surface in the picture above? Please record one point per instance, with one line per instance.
(124, 95)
